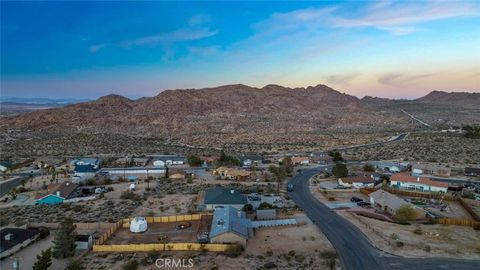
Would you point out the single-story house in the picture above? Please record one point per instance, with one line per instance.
(321, 158)
(356, 181)
(393, 167)
(95, 162)
(390, 203)
(129, 161)
(4, 165)
(406, 181)
(432, 169)
(208, 159)
(229, 225)
(249, 160)
(133, 172)
(168, 160)
(83, 241)
(469, 171)
(223, 197)
(232, 173)
(57, 193)
(300, 160)
(84, 171)
(14, 239)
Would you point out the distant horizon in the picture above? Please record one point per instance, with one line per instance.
(86, 99)
(387, 49)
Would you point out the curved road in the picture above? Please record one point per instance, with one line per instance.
(353, 248)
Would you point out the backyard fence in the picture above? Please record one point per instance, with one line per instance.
(459, 222)
(469, 209)
(165, 247)
(447, 197)
(177, 218)
(108, 233)
(124, 223)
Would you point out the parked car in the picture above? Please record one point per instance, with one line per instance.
(364, 204)
(356, 199)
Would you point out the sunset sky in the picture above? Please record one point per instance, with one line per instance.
(401, 49)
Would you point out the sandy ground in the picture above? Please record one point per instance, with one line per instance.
(156, 230)
(268, 245)
(443, 240)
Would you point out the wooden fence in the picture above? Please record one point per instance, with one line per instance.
(459, 222)
(176, 218)
(447, 197)
(469, 209)
(124, 223)
(108, 233)
(165, 247)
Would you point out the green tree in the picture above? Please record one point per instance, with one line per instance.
(368, 168)
(287, 165)
(340, 170)
(405, 213)
(148, 180)
(247, 207)
(194, 160)
(337, 157)
(44, 260)
(75, 265)
(64, 241)
(279, 173)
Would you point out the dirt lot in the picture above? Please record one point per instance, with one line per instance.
(428, 241)
(304, 250)
(155, 232)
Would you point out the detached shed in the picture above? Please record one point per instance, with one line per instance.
(266, 214)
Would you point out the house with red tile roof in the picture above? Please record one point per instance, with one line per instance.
(406, 181)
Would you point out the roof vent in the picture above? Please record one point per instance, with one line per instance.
(418, 179)
(232, 191)
(67, 184)
(8, 237)
(220, 222)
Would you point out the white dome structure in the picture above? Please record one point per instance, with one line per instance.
(138, 225)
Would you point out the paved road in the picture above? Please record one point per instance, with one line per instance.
(7, 185)
(397, 138)
(416, 119)
(353, 247)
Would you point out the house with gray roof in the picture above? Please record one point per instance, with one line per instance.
(390, 203)
(223, 197)
(229, 225)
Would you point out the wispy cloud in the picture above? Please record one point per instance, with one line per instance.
(170, 37)
(342, 79)
(397, 79)
(401, 17)
(95, 48)
(196, 30)
(395, 17)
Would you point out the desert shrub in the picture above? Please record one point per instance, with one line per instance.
(405, 213)
(130, 265)
(476, 226)
(418, 231)
(130, 195)
(428, 248)
(400, 244)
